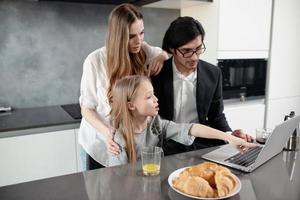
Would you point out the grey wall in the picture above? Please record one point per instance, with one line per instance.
(43, 45)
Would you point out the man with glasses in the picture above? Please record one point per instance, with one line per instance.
(189, 90)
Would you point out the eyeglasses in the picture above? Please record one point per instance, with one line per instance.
(190, 53)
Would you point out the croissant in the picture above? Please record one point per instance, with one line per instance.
(207, 165)
(206, 180)
(225, 182)
(205, 170)
(221, 168)
(197, 186)
(179, 182)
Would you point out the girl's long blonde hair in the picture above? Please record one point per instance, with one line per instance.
(120, 61)
(124, 91)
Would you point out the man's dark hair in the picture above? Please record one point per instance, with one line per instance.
(181, 31)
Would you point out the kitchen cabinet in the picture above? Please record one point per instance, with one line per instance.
(80, 154)
(244, 28)
(247, 115)
(234, 28)
(207, 14)
(31, 157)
(278, 108)
(283, 84)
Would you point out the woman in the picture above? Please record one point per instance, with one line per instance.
(134, 114)
(125, 54)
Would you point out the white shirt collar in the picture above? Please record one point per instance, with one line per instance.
(192, 77)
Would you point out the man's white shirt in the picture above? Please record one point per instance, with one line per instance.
(185, 109)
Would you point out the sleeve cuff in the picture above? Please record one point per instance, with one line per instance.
(227, 132)
(186, 138)
(84, 102)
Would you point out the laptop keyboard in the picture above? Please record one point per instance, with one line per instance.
(246, 158)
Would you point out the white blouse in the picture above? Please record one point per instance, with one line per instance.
(93, 90)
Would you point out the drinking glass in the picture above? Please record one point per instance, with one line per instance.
(151, 158)
(262, 134)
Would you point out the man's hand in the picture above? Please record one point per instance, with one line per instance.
(239, 133)
(112, 147)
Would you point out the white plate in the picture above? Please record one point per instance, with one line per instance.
(176, 173)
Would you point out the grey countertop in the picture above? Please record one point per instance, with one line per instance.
(34, 120)
(54, 118)
(246, 100)
(278, 179)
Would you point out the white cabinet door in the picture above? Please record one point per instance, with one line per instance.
(246, 116)
(80, 154)
(284, 70)
(278, 108)
(244, 28)
(37, 156)
(207, 15)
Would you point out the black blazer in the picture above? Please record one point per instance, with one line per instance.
(209, 102)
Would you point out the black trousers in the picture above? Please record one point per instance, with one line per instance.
(92, 164)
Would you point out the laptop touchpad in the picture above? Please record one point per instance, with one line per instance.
(224, 152)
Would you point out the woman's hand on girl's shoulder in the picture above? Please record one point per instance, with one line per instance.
(157, 63)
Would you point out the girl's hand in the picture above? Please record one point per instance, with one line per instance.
(112, 147)
(240, 143)
(156, 63)
(240, 133)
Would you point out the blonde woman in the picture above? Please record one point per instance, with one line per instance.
(125, 53)
(134, 114)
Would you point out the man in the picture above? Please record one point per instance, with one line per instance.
(189, 89)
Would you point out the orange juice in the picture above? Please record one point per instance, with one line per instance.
(151, 169)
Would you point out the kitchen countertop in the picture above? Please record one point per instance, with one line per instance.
(245, 101)
(35, 120)
(54, 118)
(279, 178)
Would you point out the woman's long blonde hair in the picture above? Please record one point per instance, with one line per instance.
(124, 91)
(120, 61)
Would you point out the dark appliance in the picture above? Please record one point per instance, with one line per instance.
(243, 77)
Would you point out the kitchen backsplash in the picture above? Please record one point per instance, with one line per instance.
(43, 46)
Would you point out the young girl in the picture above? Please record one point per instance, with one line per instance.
(125, 53)
(134, 114)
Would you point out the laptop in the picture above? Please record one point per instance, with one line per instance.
(230, 156)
